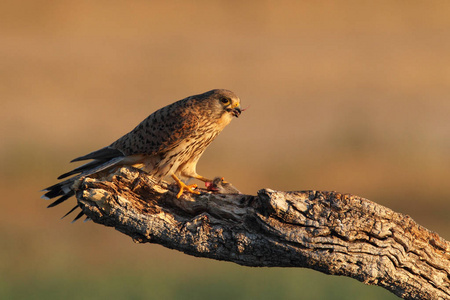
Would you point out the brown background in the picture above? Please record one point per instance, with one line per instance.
(342, 96)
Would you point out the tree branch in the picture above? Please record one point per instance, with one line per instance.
(337, 234)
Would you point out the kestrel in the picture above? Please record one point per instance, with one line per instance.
(168, 142)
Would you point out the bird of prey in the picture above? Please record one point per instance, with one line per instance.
(168, 142)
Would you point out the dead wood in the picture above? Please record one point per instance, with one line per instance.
(337, 234)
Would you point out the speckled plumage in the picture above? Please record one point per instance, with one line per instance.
(168, 142)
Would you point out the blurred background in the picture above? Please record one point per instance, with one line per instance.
(348, 96)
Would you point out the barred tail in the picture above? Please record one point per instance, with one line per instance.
(64, 190)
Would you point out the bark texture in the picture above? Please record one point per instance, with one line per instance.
(337, 234)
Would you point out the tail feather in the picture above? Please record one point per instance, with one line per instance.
(62, 199)
(65, 187)
(99, 166)
(70, 211)
(80, 169)
(59, 189)
(103, 159)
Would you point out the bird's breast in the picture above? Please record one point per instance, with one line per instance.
(223, 121)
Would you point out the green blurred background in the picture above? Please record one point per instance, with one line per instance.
(349, 96)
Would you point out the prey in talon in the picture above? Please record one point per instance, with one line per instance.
(219, 186)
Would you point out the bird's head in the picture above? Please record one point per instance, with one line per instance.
(225, 103)
(219, 106)
(230, 103)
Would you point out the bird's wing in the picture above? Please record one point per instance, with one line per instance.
(102, 159)
(160, 132)
(101, 154)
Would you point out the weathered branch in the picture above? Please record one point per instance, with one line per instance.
(333, 233)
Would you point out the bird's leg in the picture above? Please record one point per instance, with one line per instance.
(202, 178)
(183, 186)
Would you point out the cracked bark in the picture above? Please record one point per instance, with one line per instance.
(337, 234)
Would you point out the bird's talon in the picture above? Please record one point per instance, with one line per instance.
(189, 188)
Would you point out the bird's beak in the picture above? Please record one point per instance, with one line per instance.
(236, 111)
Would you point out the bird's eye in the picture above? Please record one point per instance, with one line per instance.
(224, 100)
